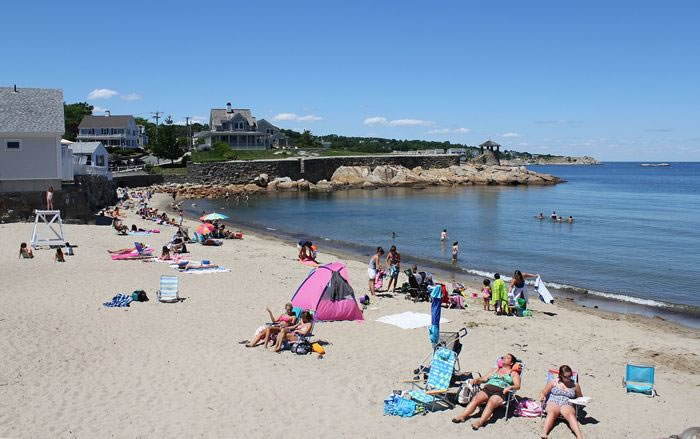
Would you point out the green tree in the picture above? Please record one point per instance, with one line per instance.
(307, 140)
(73, 114)
(167, 145)
(149, 128)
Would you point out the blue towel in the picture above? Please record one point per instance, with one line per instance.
(120, 300)
(395, 405)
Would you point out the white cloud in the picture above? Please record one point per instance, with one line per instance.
(102, 93)
(131, 97)
(409, 122)
(297, 118)
(96, 109)
(510, 135)
(439, 131)
(448, 130)
(377, 120)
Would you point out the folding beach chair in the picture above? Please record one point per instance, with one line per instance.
(553, 375)
(512, 394)
(434, 390)
(168, 289)
(639, 379)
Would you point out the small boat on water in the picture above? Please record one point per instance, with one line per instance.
(655, 165)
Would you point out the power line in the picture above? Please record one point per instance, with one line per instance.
(156, 115)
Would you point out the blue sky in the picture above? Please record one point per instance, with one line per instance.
(616, 80)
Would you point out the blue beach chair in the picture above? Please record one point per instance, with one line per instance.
(639, 379)
(434, 390)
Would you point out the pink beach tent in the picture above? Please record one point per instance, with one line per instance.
(327, 292)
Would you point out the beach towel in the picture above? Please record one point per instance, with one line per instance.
(409, 320)
(205, 270)
(134, 255)
(118, 301)
(145, 233)
(545, 295)
(395, 405)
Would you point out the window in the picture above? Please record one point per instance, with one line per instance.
(89, 160)
(104, 131)
(14, 145)
(100, 160)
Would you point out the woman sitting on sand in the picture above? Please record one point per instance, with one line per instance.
(25, 252)
(290, 333)
(165, 254)
(498, 382)
(561, 391)
(58, 257)
(284, 320)
(306, 253)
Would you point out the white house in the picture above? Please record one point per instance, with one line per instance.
(31, 126)
(120, 131)
(90, 158)
(240, 130)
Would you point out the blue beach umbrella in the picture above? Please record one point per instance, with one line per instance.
(435, 311)
(213, 216)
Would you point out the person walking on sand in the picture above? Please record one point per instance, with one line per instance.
(49, 198)
(393, 260)
(443, 235)
(375, 265)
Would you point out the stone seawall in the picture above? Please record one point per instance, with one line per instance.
(310, 169)
(76, 201)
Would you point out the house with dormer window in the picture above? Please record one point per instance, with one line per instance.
(240, 130)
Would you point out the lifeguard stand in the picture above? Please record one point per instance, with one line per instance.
(50, 218)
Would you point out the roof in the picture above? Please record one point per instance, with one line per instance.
(31, 110)
(105, 121)
(84, 147)
(489, 143)
(221, 114)
(265, 121)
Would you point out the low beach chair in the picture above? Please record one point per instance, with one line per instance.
(168, 292)
(639, 379)
(434, 390)
(512, 394)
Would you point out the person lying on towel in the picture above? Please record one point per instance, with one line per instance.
(186, 266)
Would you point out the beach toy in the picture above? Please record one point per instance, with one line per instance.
(318, 349)
(205, 262)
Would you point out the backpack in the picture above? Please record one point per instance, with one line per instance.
(467, 392)
(528, 408)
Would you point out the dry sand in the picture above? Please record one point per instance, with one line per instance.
(73, 368)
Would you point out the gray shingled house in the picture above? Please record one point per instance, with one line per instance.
(31, 126)
(238, 128)
(119, 131)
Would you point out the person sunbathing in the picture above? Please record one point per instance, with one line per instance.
(561, 391)
(165, 254)
(123, 251)
(498, 382)
(136, 229)
(290, 333)
(284, 320)
(25, 252)
(211, 242)
(186, 266)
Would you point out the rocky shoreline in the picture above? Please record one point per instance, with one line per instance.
(365, 177)
(552, 160)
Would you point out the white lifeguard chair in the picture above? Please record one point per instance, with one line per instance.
(50, 218)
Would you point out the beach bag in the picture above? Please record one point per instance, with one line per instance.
(139, 296)
(528, 408)
(301, 348)
(457, 301)
(467, 392)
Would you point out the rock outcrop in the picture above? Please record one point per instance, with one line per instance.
(348, 177)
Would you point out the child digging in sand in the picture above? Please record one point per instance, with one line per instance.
(59, 256)
(486, 293)
(25, 252)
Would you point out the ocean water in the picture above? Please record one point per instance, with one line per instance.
(636, 235)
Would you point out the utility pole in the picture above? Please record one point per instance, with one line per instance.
(156, 115)
(189, 134)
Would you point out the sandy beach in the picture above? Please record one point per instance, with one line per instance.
(73, 368)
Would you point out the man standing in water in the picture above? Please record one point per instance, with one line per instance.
(443, 235)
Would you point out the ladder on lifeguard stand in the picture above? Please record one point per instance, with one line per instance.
(50, 218)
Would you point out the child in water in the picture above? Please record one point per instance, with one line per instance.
(486, 293)
(455, 251)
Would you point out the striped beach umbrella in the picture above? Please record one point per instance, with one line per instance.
(213, 216)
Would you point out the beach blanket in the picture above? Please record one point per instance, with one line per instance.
(204, 270)
(409, 320)
(146, 233)
(118, 301)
